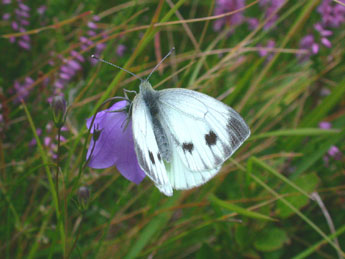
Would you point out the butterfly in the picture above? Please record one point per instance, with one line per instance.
(182, 137)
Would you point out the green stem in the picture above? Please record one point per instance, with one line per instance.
(58, 165)
(49, 176)
(76, 239)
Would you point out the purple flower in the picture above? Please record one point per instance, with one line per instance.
(224, 6)
(24, 7)
(253, 23)
(77, 55)
(92, 25)
(264, 52)
(271, 6)
(96, 18)
(335, 153)
(22, 90)
(326, 42)
(113, 144)
(121, 50)
(42, 9)
(322, 31)
(308, 43)
(6, 16)
(24, 44)
(74, 65)
(332, 14)
(325, 125)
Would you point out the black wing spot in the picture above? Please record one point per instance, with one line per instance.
(151, 157)
(159, 157)
(188, 147)
(211, 138)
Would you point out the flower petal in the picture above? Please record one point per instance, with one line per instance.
(115, 144)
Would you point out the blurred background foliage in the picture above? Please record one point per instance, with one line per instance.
(278, 63)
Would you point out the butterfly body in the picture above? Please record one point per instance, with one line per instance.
(182, 137)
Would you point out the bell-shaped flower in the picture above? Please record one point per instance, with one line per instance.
(112, 143)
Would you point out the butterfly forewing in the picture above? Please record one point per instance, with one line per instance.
(204, 131)
(146, 146)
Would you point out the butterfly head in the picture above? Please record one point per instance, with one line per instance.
(145, 86)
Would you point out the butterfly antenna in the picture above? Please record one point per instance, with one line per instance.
(160, 62)
(109, 63)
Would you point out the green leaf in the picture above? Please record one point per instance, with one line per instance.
(270, 239)
(242, 236)
(234, 208)
(306, 182)
(154, 227)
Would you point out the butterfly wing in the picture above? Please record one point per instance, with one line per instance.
(146, 146)
(182, 178)
(204, 133)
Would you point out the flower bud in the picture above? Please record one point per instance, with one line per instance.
(83, 197)
(58, 106)
(83, 193)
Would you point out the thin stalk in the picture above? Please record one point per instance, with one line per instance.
(58, 165)
(76, 239)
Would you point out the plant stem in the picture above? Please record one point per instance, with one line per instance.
(58, 165)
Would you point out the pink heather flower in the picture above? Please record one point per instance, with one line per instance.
(77, 55)
(92, 25)
(323, 32)
(6, 16)
(332, 14)
(271, 7)
(91, 33)
(33, 141)
(264, 52)
(85, 40)
(120, 50)
(74, 64)
(325, 125)
(335, 153)
(65, 76)
(24, 7)
(59, 84)
(113, 144)
(67, 70)
(6, 1)
(326, 42)
(253, 23)
(96, 18)
(224, 6)
(100, 47)
(15, 26)
(24, 44)
(24, 22)
(47, 141)
(22, 13)
(22, 90)
(42, 9)
(308, 43)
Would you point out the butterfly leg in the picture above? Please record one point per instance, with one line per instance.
(125, 91)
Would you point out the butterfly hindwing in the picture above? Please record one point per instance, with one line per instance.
(204, 131)
(146, 147)
(182, 178)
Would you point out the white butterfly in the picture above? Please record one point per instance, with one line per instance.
(182, 137)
